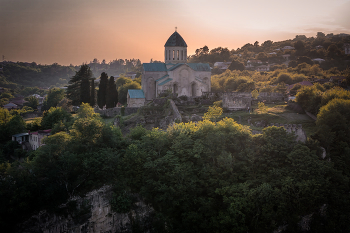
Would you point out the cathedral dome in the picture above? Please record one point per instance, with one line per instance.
(175, 40)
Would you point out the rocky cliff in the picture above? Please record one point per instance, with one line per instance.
(90, 214)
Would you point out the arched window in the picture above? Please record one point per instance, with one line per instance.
(151, 92)
(193, 87)
(178, 55)
(173, 54)
(175, 88)
(169, 55)
(166, 54)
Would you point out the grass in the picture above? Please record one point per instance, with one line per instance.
(31, 119)
(276, 113)
(109, 120)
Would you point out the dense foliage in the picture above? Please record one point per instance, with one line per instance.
(203, 177)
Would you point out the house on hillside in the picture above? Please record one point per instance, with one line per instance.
(287, 47)
(19, 101)
(35, 138)
(319, 60)
(321, 81)
(22, 139)
(337, 79)
(262, 68)
(10, 106)
(135, 98)
(303, 83)
(319, 47)
(286, 57)
(253, 63)
(222, 65)
(40, 98)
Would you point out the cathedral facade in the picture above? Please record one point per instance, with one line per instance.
(175, 74)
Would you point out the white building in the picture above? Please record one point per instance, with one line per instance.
(35, 138)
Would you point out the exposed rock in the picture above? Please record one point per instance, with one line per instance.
(93, 214)
(195, 117)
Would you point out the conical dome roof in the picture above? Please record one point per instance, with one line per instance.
(175, 40)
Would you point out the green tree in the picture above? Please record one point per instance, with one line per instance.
(123, 90)
(255, 94)
(299, 45)
(53, 116)
(112, 94)
(236, 65)
(54, 96)
(32, 102)
(85, 91)
(213, 113)
(78, 89)
(262, 107)
(102, 90)
(122, 81)
(10, 125)
(92, 95)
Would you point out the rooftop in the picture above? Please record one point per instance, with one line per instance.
(136, 94)
(175, 40)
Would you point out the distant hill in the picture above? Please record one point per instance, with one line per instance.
(17, 74)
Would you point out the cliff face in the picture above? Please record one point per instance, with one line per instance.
(91, 214)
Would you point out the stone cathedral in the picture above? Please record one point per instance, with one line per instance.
(175, 74)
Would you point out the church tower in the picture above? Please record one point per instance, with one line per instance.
(175, 49)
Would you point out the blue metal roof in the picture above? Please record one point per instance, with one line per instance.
(20, 135)
(200, 80)
(166, 81)
(136, 94)
(154, 67)
(162, 77)
(199, 66)
(175, 66)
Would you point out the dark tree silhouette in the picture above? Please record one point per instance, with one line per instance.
(102, 90)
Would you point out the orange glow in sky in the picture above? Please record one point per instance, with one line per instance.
(77, 31)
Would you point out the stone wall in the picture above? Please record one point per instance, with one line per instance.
(297, 129)
(267, 97)
(270, 97)
(98, 217)
(136, 102)
(236, 100)
(112, 112)
(214, 96)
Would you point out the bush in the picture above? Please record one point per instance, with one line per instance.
(218, 103)
(121, 202)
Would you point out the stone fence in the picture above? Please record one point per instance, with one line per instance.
(111, 112)
(296, 128)
(268, 97)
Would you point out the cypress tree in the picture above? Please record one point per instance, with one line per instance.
(92, 95)
(102, 90)
(111, 93)
(85, 91)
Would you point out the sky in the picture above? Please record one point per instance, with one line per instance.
(77, 31)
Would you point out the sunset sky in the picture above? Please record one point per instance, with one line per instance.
(77, 31)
